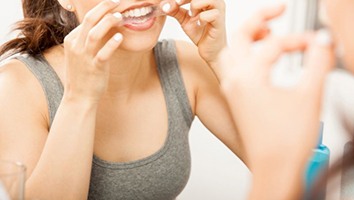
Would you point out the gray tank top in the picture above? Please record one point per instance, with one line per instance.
(160, 176)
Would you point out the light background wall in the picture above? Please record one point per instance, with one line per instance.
(216, 172)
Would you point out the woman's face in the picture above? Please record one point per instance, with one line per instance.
(340, 18)
(141, 34)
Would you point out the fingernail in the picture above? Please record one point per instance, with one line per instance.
(179, 2)
(117, 37)
(166, 8)
(324, 38)
(118, 15)
(115, 1)
(190, 13)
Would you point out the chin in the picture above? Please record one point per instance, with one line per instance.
(139, 44)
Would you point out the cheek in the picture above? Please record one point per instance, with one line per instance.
(348, 55)
(84, 6)
(331, 15)
(340, 20)
(346, 34)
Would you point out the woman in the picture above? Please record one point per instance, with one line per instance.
(102, 111)
(280, 125)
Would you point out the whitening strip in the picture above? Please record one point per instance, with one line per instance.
(139, 15)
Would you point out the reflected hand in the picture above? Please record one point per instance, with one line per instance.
(276, 124)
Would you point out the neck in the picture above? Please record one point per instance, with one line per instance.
(130, 71)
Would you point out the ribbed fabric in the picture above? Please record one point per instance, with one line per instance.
(160, 176)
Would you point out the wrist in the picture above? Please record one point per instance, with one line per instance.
(278, 175)
(79, 101)
(215, 62)
(277, 182)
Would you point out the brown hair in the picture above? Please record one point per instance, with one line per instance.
(45, 25)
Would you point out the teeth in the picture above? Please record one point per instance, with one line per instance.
(143, 11)
(137, 12)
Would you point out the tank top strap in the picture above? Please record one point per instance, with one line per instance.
(48, 78)
(171, 78)
(167, 66)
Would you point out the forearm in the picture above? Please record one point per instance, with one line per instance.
(63, 170)
(277, 176)
(277, 184)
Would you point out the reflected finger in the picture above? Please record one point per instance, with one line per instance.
(251, 28)
(319, 59)
(274, 47)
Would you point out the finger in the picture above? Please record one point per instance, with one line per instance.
(198, 6)
(251, 29)
(254, 29)
(174, 10)
(70, 39)
(177, 2)
(96, 36)
(319, 59)
(109, 48)
(95, 15)
(274, 47)
(242, 44)
(212, 17)
(73, 34)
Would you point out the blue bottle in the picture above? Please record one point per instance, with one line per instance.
(317, 166)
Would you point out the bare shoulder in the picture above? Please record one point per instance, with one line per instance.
(23, 116)
(20, 91)
(11, 69)
(188, 54)
(14, 76)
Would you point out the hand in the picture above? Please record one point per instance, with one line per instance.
(278, 126)
(87, 51)
(205, 27)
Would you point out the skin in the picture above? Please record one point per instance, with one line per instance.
(109, 79)
(339, 14)
(281, 118)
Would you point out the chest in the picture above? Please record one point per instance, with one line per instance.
(152, 162)
(161, 175)
(132, 129)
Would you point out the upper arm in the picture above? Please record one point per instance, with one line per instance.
(23, 121)
(209, 103)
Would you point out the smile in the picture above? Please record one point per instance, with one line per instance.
(140, 19)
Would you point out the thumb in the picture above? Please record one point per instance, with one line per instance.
(319, 59)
